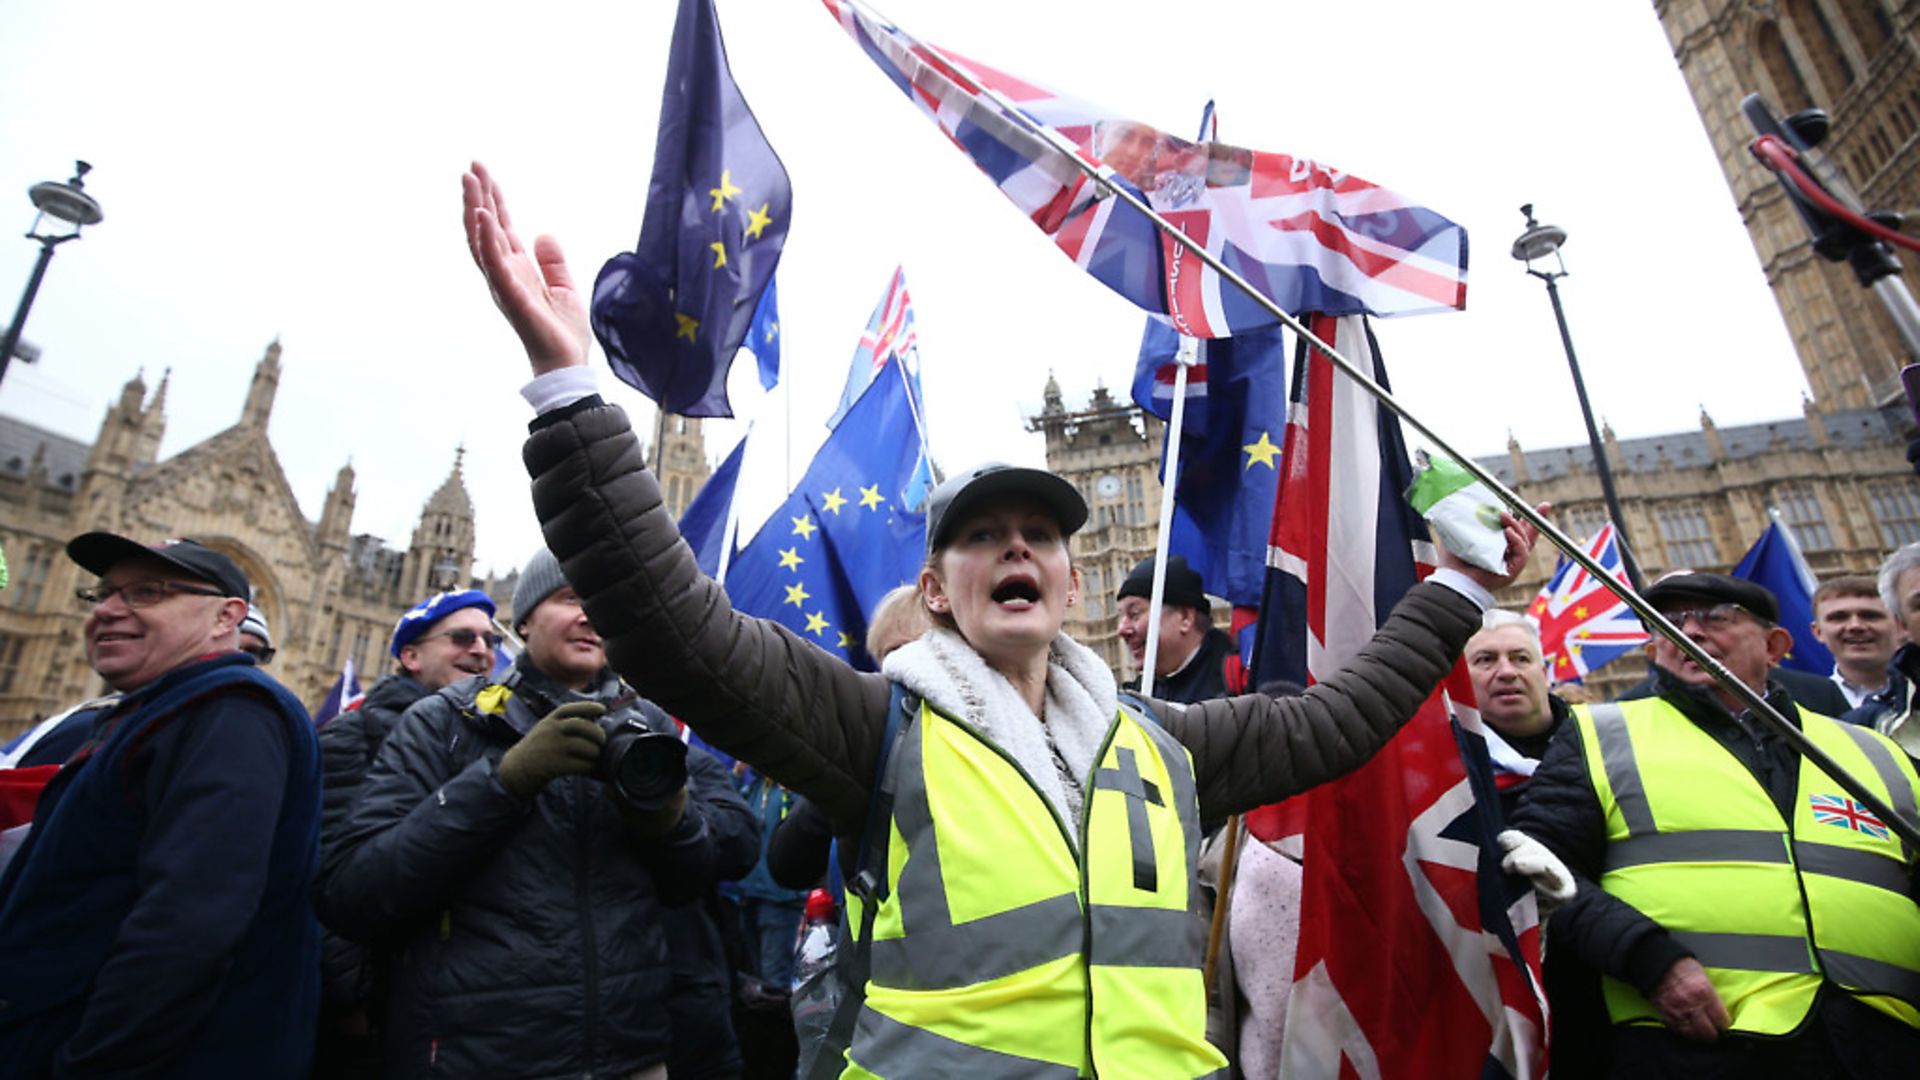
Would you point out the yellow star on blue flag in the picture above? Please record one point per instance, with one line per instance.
(852, 558)
(718, 207)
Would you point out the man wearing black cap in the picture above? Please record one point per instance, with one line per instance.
(1193, 661)
(156, 920)
(1752, 918)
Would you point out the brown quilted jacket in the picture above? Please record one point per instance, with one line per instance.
(765, 695)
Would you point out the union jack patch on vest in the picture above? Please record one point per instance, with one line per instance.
(1834, 810)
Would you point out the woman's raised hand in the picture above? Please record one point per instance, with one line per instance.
(534, 291)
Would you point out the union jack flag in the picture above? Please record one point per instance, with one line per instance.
(1844, 812)
(343, 696)
(1583, 624)
(1404, 911)
(1308, 236)
(889, 334)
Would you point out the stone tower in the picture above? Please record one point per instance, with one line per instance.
(1859, 60)
(679, 461)
(441, 554)
(1110, 450)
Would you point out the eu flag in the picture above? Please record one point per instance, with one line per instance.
(1230, 454)
(1775, 562)
(846, 535)
(763, 335)
(672, 312)
(703, 524)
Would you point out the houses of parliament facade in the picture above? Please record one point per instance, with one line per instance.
(330, 595)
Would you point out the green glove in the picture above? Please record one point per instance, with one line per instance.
(566, 742)
(651, 824)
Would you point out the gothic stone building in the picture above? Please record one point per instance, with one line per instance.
(1110, 450)
(329, 595)
(1859, 60)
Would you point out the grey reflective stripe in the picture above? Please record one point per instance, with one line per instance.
(886, 1047)
(1873, 976)
(1186, 801)
(1899, 792)
(934, 953)
(1623, 772)
(1851, 864)
(1698, 846)
(1748, 952)
(990, 947)
(1138, 792)
(1146, 937)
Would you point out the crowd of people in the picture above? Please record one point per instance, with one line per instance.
(539, 873)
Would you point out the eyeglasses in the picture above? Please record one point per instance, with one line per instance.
(261, 654)
(139, 594)
(1717, 617)
(464, 639)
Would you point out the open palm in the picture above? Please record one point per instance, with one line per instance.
(535, 291)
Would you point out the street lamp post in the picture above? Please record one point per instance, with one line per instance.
(1539, 242)
(63, 210)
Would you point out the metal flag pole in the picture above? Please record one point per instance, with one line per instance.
(1183, 361)
(1908, 830)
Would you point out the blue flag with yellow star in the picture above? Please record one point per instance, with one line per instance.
(1230, 458)
(672, 312)
(763, 335)
(845, 536)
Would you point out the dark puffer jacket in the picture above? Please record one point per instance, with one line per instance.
(529, 934)
(348, 745)
(758, 691)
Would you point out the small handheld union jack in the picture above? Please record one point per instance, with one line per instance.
(1583, 625)
(1847, 814)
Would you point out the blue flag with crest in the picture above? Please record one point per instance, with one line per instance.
(671, 313)
(846, 535)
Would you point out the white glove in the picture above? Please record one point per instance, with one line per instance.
(1530, 859)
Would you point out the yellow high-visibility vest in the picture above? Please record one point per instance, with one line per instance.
(1771, 908)
(1006, 947)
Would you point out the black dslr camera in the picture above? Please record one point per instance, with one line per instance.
(643, 765)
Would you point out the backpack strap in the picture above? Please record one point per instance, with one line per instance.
(869, 883)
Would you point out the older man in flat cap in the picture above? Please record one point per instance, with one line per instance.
(1752, 919)
(157, 921)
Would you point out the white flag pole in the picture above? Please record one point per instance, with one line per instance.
(1184, 359)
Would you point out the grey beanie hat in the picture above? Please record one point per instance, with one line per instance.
(540, 579)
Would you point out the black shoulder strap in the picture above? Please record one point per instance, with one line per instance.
(870, 884)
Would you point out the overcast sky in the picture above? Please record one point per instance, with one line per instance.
(276, 171)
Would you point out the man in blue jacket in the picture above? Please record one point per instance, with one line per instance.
(157, 920)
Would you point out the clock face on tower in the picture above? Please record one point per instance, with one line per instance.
(1107, 486)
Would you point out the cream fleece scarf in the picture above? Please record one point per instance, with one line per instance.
(1057, 752)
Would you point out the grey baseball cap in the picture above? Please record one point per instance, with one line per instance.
(964, 494)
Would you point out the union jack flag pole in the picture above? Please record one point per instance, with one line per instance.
(1099, 174)
(1184, 360)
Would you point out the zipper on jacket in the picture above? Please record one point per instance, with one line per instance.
(590, 954)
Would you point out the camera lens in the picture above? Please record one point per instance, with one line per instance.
(645, 766)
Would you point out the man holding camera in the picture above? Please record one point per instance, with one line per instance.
(515, 845)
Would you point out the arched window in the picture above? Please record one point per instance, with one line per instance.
(1790, 93)
(1868, 23)
(1821, 46)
